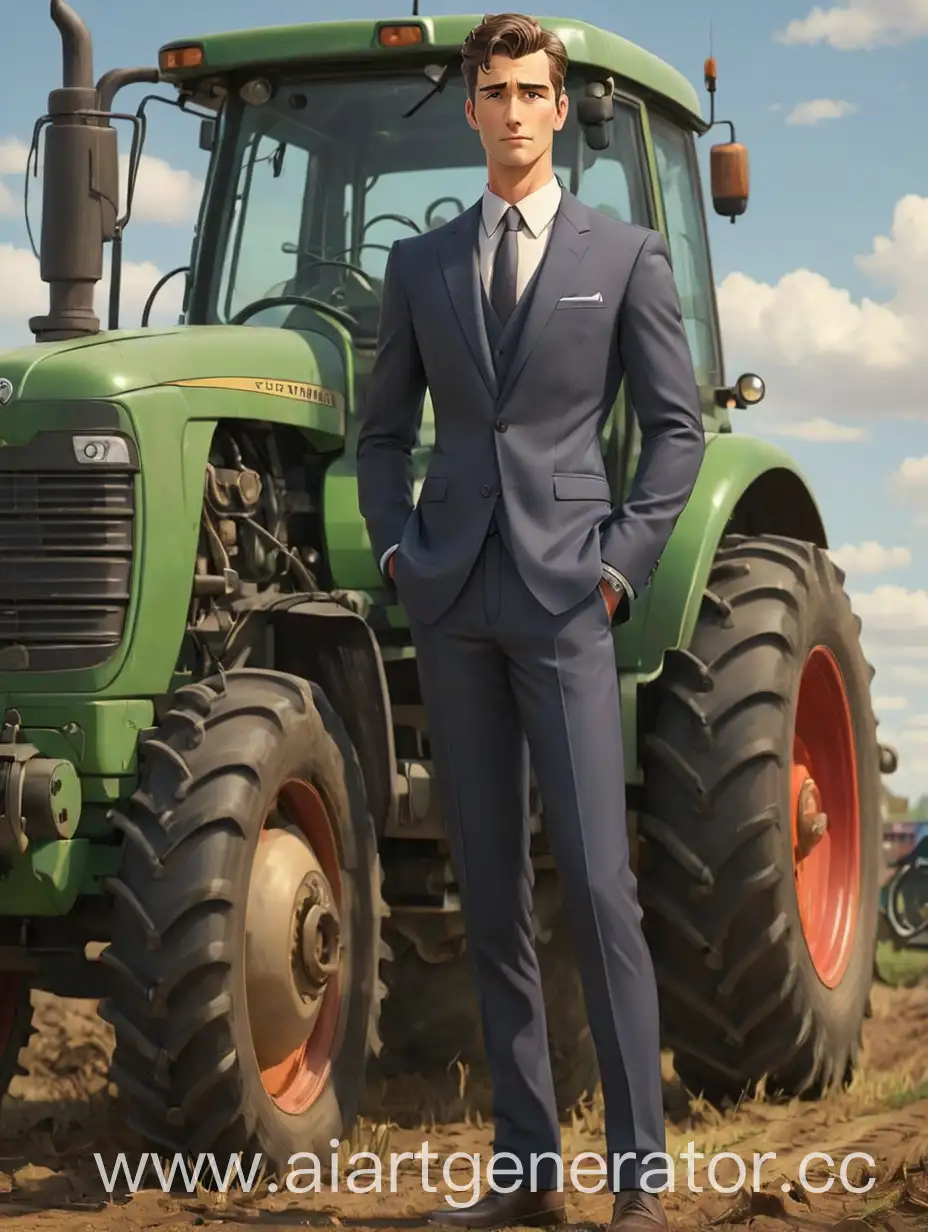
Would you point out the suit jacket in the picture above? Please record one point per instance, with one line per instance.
(604, 306)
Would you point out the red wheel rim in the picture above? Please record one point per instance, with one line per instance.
(825, 817)
(295, 1083)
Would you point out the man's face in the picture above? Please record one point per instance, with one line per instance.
(515, 111)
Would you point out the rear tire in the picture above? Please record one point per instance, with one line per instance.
(748, 990)
(244, 766)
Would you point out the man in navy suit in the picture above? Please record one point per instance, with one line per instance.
(521, 318)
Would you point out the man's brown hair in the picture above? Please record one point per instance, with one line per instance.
(515, 35)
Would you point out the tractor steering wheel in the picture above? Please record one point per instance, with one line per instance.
(430, 212)
(294, 301)
(400, 218)
(348, 267)
(345, 267)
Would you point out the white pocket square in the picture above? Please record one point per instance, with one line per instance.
(582, 299)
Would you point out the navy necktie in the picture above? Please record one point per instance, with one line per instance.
(506, 265)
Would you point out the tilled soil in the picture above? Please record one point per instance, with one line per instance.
(64, 1110)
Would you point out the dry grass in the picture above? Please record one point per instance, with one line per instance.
(902, 968)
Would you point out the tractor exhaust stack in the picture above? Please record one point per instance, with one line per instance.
(80, 198)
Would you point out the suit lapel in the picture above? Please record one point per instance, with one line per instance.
(567, 247)
(458, 256)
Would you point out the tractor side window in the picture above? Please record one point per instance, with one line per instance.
(610, 180)
(267, 213)
(678, 173)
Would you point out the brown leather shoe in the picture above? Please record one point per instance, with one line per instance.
(545, 1208)
(636, 1210)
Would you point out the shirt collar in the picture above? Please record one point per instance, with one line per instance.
(538, 208)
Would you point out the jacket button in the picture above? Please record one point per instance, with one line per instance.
(501, 425)
(486, 490)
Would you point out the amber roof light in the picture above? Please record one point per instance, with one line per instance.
(399, 36)
(173, 58)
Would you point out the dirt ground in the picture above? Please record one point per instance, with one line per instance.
(63, 1110)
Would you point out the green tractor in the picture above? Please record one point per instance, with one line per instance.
(218, 811)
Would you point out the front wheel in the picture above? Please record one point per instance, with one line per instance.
(762, 827)
(246, 931)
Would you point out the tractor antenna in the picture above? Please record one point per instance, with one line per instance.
(710, 72)
(415, 8)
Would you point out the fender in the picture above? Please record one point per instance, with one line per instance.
(322, 639)
(745, 486)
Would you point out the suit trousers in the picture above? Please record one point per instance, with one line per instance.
(496, 668)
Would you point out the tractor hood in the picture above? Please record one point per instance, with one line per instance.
(310, 368)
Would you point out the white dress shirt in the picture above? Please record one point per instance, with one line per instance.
(538, 210)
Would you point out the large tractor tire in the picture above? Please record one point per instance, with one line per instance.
(247, 927)
(15, 1025)
(431, 1018)
(760, 868)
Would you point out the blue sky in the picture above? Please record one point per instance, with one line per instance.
(823, 285)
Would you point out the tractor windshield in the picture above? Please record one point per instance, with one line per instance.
(321, 180)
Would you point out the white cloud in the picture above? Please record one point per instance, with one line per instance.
(163, 194)
(889, 703)
(25, 295)
(904, 651)
(818, 109)
(870, 557)
(901, 260)
(906, 674)
(911, 743)
(13, 155)
(818, 348)
(892, 610)
(860, 25)
(9, 206)
(819, 430)
(909, 484)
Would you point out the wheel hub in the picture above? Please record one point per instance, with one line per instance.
(319, 944)
(292, 944)
(811, 821)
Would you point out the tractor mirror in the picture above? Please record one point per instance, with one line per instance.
(595, 112)
(207, 135)
(730, 179)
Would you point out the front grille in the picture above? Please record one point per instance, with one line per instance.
(65, 566)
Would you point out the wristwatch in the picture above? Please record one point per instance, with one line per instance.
(617, 582)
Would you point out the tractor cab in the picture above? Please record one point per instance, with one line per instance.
(318, 179)
(320, 165)
(317, 172)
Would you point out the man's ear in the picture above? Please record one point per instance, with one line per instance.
(471, 115)
(563, 105)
